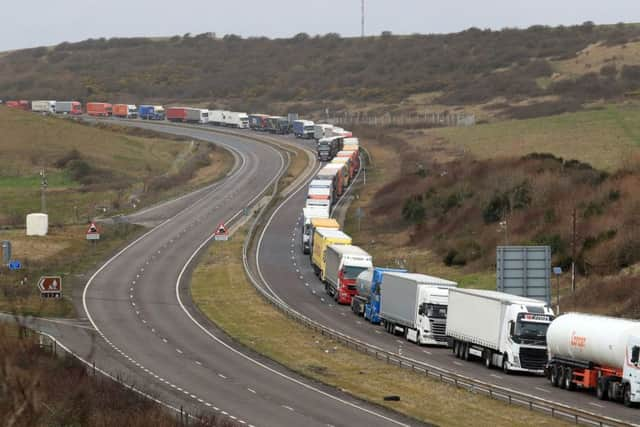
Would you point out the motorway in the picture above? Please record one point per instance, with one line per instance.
(291, 279)
(150, 334)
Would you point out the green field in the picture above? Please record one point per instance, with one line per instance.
(606, 138)
(120, 163)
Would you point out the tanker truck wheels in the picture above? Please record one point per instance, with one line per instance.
(487, 359)
(626, 397)
(602, 388)
(554, 376)
(567, 377)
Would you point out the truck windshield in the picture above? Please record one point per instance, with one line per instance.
(352, 272)
(437, 311)
(531, 330)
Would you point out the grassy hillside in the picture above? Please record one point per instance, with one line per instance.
(435, 200)
(92, 170)
(472, 67)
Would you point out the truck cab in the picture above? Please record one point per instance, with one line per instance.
(432, 317)
(525, 339)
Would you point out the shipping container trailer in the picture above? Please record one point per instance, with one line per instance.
(176, 114)
(258, 121)
(73, 108)
(48, 107)
(322, 238)
(310, 214)
(196, 115)
(99, 109)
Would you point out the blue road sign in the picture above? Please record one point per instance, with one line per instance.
(15, 265)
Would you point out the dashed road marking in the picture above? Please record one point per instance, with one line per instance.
(251, 390)
(542, 390)
(178, 350)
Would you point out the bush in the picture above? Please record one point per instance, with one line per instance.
(413, 210)
(78, 169)
(71, 155)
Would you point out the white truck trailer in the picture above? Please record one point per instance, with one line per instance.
(43, 107)
(343, 264)
(503, 330)
(415, 305)
(196, 115)
(595, 353)
(307, 229)
(236, 119)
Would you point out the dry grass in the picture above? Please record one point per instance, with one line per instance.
(594, 57)
(64, 252)
(222, 292)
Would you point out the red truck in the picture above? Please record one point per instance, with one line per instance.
(19, 105)
(354, 163)
(99, 109)
(176, 114)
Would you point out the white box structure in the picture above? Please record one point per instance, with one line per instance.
(37, 224)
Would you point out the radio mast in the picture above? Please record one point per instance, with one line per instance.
(362, 22)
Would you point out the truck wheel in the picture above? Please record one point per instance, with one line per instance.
(505, 364)
(602, 388)
(553, 377)
(626, 397)
(568, 379)
(487, 359)
(561, 381)
(465, 351)
(454, 346)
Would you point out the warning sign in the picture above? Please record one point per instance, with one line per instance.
(221, 232)
(92, 232)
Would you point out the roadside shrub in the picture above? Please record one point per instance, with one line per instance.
(413, 210)
(62, 161)
(78, 169)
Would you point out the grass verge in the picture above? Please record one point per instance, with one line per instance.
(223, 293)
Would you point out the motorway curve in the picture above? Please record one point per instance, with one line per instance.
(150, 334)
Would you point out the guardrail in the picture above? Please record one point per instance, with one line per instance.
(510, 396)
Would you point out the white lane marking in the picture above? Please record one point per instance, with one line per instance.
(427, 352)
(164, 340)
(222, 376)
(250, 359)
(178, 350)
(288, 408)
(496, 376)
(198, 363)
(455, 362)
(597, 405)
(251, 390)
(544, 390)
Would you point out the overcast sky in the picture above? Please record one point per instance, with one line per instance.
(29, 23)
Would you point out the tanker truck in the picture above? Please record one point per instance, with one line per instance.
(367, 301)
(595, 352)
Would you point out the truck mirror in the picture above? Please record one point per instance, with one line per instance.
(421, 310)
(635, 354)
(511, 327)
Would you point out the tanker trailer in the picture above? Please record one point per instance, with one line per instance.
(595, 352)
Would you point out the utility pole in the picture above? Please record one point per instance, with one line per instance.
(43, 189)
(362, 22)
(573, 252)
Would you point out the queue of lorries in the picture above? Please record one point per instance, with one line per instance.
(511, 332)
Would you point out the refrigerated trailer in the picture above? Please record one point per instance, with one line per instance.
(48, 107)
(502, 330)
(595, 353)
(73, 108)
(415, 305)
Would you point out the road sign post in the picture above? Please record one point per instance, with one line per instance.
(93, 234)
(50, 286)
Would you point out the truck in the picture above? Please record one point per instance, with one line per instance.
(366, 302)
(151, 112)
(176, 114)
(196, 115)
(352, 141)
(502, 330)
(327, 148)
(343, 264)
(415, 305)
(319, 193)
(322, 238)
(303, 129)
(332, 173)
(354, 161)
(236, 119)
(310, 214)
(595, 353)
(48, 107)
(73, 108)
(322, 131)
(19, 105)
(346, 171)
(125, 111)
(258, 122)
(325, 223)
(324, 183)
(99, 109)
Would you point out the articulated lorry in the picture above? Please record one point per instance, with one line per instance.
(43, 107)
(415, 305)
(367, 301)
(332, 173)
(322, 131)
(595, 353)
(99, 109)
(327, 148)
(343, 264)
(502, 330)
(196, 115)
(315, 217)
(151, 112)
(73, 108)
(304, 129)
(125, 111)
(354, 161)
(346, 168)
(324, 183)
(322, 238)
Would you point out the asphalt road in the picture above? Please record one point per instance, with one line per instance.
(289, 275)
(149, 331)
